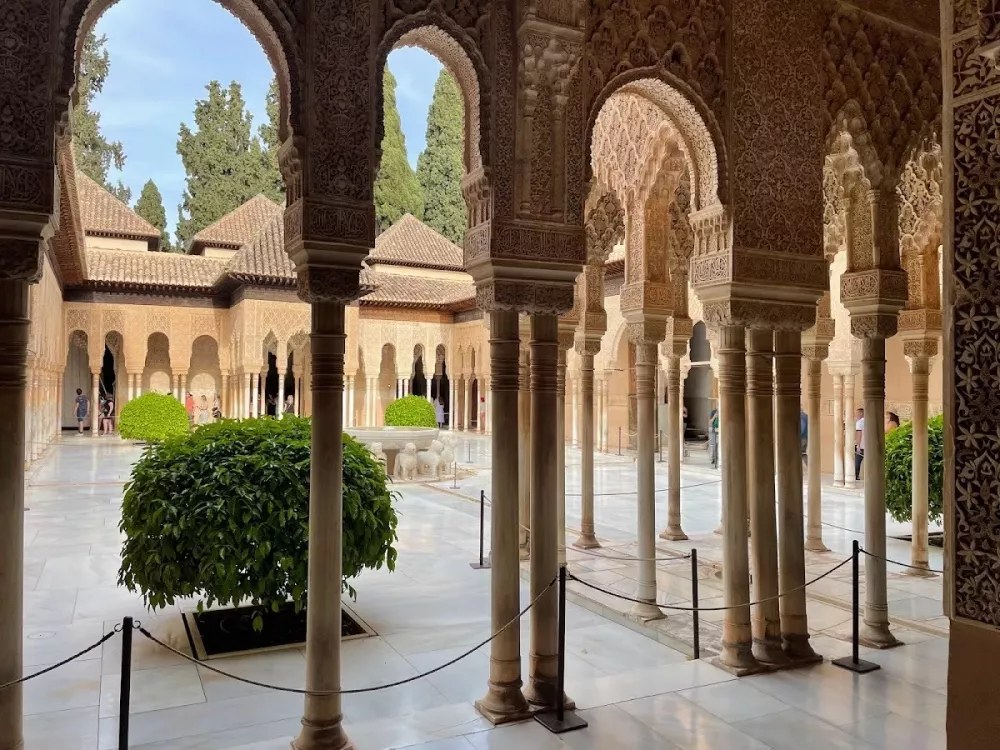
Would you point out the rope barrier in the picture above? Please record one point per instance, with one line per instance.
(352, 691)
(713, 609)
(77, 655)
(627, 558)
(842, 528)
(902, 565)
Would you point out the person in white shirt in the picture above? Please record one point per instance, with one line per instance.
(859, 443)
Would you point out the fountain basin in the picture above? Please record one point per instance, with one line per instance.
(394, 439)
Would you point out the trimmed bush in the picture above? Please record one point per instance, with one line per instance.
(153, 417)
(899, 471)
(222, 513)
(410, 411)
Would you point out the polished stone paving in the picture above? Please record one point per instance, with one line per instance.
(633, 691)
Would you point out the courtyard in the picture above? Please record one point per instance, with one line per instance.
(634, 684)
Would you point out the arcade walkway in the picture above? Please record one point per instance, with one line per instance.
(635, 692)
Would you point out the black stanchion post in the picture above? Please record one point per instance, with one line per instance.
(559, 720)
(619, 441)
(695, 629)
(853, 662)
(482, 525)
(126, 683)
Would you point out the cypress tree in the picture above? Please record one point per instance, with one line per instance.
(150, 207)
(225, 163)
(397, 190)
(274, 186)
(440, 166)
(94, 153)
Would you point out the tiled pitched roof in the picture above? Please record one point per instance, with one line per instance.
(418, 291)
(239, 227)
(102, 213)
(410, 242)
(264, 258)
(157, 270)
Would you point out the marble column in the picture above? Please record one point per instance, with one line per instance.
(14, 326)
(791, 552)
(575, 414)
(598, 413)
(875, 630)
(588, 538)
(36, 413)
(131, 386)
(565, 342)
(838, 429)
(468, 408)
(645, 377)
(849, 421)
(279, 407)
(176, 383)
(504, 701)
(484, 405)
(524, 452)
(183, 379)
(543, 652)
(246, 408)
(489, 408)
(452, 405)
(95, 403)
(674, 406)
(350, 415)
(322, 720)
(400, 387)
(814, 530)
(920, 370)
(737, 655)
(765, 621)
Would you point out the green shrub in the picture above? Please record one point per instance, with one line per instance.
(153, 417)
(410, 411)
(222, 513)
(899, 471)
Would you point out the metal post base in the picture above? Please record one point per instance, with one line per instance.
(860, 666)
(551, 721)
(480, 565)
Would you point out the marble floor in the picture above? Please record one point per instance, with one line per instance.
(634, 691)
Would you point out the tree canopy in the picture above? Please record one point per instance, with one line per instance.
(95, 154)
(440, 166)
(274, 186)
(397, 190)
(225, 163)
(150, 207)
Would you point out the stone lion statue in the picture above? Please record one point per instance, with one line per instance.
(448, 454)
(406, 463)
(429, 461)
(376, 450)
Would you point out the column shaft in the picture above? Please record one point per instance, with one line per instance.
(849, 421)
(588, 539)
(814, 531)
(674, 531)
(544, 535)
(876, 616)
(736, 633)
(575, 414)
(95, 404)
(13, 356)
(838, 430)
(766, 623)
(920, 369)
(561, 454)
(452, 405)
(524, 453)
(791, 552)
(469, 409)
(322, 725)
(645, 374)
(504, 700)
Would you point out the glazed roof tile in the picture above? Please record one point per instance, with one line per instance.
(410, 242)
(160, 270)
(102, 213)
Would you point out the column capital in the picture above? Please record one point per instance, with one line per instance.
(921, 348)
(647, 332)
(815, 352)
(874, 298)
(776, 316)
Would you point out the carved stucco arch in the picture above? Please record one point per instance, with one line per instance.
(921, 226)
(850, 140)
(269, 21)
(441, 37)
(698, 133)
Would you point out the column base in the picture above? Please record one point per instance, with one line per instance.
(920, 570)
(646, 612)
(838, 482)
(798, 649)
(541, 695)
(877, 636)
(503, 704)
(674, 534)
(586, 541)
(738, 660)
(322, 737)
(816, 545)
(769, 653)
(718, 531)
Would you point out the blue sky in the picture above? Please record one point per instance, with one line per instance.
(164, 53)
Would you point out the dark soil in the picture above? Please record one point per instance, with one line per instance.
(226, 631)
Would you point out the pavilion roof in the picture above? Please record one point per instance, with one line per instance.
(164, 271)
(410, 242)
(238, 227)
(103, 214)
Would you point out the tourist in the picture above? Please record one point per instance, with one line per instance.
(108, 415)
(891, 421)
(804, 436)
(271, 408)
(439, 413)
(859, 443)
(217, 408)
(82, 409)
(289, 404)
(204, 415)
(713, 437)
(189, 407)
(684, 431)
